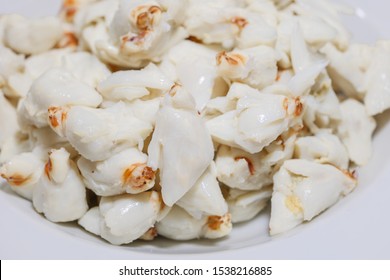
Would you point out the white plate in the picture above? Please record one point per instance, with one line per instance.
(357, 227)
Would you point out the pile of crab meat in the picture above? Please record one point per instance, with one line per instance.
(140, 118)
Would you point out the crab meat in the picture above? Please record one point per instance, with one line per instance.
(245, 205)
(123, 219)
(355, 131)
(255, 66)
(35, 65)
(23, 172)
(8, 119)
(140, 31)
(303, 189)
(56, 87)
(241, 170)
(377, 80)
(86, 67)
(179, 131)
(224, 22)
(31, 36)
(134, 84)
(60, 193)
(323, 147)
(347, 69)
(322, 105)
(205, 197)
(10, 64)
(258, 119)
(125, 172)
(193, 66)
(97, 134)
(179, 225)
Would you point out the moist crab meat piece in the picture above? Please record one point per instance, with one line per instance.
(31, 36)
(180, 140)
(35, 65)
(255, 66)
(303, 189)
(205, 197)
(56, 87)
(245, 205)
(10, 64)
(23, 171)
(124, 218)
(179, 225)
(241, 170)
(193, 66)
(377, 81)
(134, 84)
(223, 22)
(86, 67)
(125, 172)
(323, 147)
(322, 105)
(347, 69)
(258, 119)
(140, 31)
(60, 193)
(355, 131)
(8, 119)
(97, 134)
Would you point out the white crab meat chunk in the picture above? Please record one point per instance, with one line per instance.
(97, 134)
(125, 172)
(35, 65)
(31, 36)
(45, 137)
(10, 64)
(205, 197)
(194, 67)
(179, 225)
(133, 84)
(8, 119)
(60, 193)
(315, 32)
(224, 22)
(328, 12)
(241, 170)
(140, 31)
(306, 65)
(23, 172)
(86, 67)
(258, 119)
(16, 144)
(322, 105)
(124, 218)
(180, 140)
(266, 8)
(245, 205)
(303, 189)
(56, 87)
(347, 69)
(255, 66)
(145, 110)
(323, 147)
(355, 131)
(377, 80)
